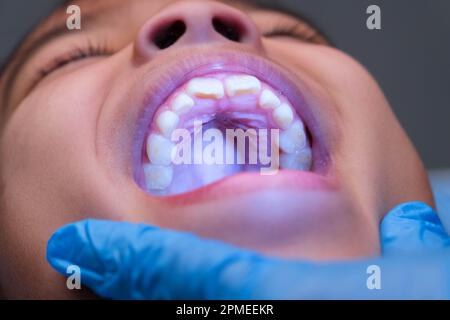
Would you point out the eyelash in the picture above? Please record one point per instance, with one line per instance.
(298, 31)
(79, 53)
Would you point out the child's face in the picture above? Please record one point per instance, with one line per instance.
(70, 140)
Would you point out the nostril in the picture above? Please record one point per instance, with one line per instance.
(169, 34)
(230, 30)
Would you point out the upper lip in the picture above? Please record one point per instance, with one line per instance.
(202, 62)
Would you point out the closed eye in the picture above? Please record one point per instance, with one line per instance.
(74, 55)
(274, 24)
(299, 31)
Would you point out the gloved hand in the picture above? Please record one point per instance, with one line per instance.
(129, 261)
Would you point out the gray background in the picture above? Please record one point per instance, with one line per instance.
(410, 56)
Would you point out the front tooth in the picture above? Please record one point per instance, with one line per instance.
(182, 104)
(240, 85)
(159, 150)
(283, 116)
(157, 177)
(269, 100)
(167, 121)
(207, 88)
(300, 160)
(293, 138)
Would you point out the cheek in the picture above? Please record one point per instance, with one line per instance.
(44, 164)
(344, 79)
(358, 106)
(374, 157)
(48, 142)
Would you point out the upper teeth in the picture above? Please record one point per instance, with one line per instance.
(157, 177)
(182, 104)
(269, 100)
(159, 150)
(283, 116)
(167, 121)
(293, 138)
(186, 102)
(300, 160)
(206, 88)
(239, 85)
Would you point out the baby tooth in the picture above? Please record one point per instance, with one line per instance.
(269, 100)
(157, 177)
(159, 150)
(293, 138)
(239, 85)
(182, 104)
(301, 160)
(283, 116)
(167, 121)
(206, 88)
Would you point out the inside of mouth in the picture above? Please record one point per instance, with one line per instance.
(216, 126)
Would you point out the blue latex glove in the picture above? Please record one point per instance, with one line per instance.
(129, 261)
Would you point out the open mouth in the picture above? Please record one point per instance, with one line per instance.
(209, 113)
(221, 124)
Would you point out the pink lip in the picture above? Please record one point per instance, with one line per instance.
(194, 65)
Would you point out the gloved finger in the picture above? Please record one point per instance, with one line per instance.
(412, 227)
(126, 261)
(131, 261)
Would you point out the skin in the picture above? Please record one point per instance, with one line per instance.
(65, 148)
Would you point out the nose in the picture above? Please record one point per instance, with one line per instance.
(195, 22)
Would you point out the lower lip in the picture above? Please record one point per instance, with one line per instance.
(248, 183)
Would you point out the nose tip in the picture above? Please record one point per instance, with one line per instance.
(195, 22)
